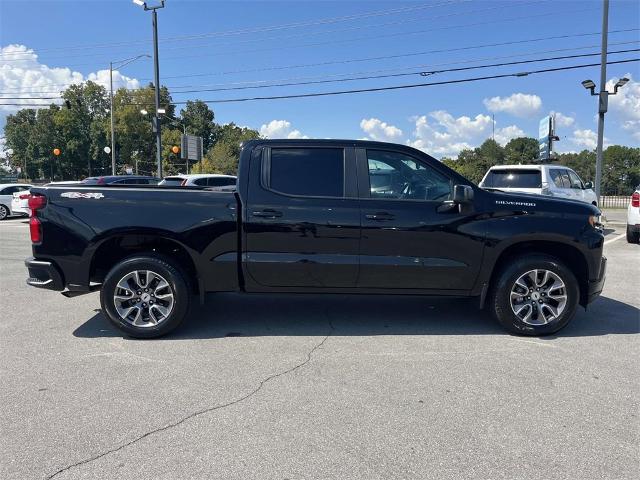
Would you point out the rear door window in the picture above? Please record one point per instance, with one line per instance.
(514, 178)
(201, 182)
(172, 181)
(221, 181)
(313, 172)
(557, 178)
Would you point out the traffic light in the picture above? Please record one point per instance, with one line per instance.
(175, 149)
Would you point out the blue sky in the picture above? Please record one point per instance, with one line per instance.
(269, 41)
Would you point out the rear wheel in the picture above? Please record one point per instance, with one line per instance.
(145, 297)
(632, 237)
(535, 295)
(4, 212)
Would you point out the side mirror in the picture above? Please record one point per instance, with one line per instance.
(588, 186)
(462, 194)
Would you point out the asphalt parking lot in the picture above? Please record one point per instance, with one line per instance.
(299, 387)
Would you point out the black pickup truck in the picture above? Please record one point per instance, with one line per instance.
(318, 216)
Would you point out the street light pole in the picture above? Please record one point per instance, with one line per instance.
(121, 63)
(113, 142)
(156, 77)
(603, 100)
(156, 81)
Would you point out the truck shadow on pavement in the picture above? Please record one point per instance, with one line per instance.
(235, 315)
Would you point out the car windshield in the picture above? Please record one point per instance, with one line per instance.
(513, 178)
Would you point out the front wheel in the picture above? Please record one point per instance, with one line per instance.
(4, 212)
(534, 295)
(145, 296)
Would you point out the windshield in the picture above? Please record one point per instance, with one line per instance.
(513, 178)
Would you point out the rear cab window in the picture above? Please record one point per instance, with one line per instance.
(513, 178)
(311, 172)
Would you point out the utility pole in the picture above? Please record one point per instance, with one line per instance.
(603, 101)
(493, 126)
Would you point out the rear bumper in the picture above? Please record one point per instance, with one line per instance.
(596, 286)
(44, 274)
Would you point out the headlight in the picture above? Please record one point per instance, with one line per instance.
(593, 221)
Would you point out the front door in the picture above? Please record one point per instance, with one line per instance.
(410, 240)
(302, 219)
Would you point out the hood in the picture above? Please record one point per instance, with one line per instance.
(523, 201)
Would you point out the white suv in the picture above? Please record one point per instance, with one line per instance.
(201, 179)
(553, 180)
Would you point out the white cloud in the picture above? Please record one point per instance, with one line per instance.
(503, 135)
(441, 134)
(280, 129)
(381, 131)
(563, 120)
(518, 104)
(22, 75)
(633, 127)
(585, 138)
(627, 101)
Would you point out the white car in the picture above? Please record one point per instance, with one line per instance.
(200, 180)
(6, 197)
(20, 200)
(633, 217)
(543, 179)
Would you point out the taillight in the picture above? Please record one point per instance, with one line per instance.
(635, 199)
(35, 229)
(24, 196)
(36, 202)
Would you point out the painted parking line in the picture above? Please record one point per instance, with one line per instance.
(611, 240)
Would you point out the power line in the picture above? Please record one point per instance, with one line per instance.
(402, 87)
(371, 77)
(26, 90)
(338, 41)
(325, 21)
(402, 55)
(357, 27)
(381, 89)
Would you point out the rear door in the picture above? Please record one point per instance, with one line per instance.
(408, 240)
(302, 218)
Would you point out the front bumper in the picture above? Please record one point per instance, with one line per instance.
(596, 286)
(44, 274)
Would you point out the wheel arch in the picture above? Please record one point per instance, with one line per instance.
(120, 246)
(572, 257)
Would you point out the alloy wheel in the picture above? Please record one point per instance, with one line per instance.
(143, 298)
(538, 297)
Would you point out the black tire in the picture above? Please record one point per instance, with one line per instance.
(632, 237)
(500, 295)
(4, 212)
(162, 268)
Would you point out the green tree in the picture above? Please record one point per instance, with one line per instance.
(198, 120)
(521, 150)
(225, 154)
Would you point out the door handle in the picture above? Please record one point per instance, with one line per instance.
(379, 216)
(267, 213)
